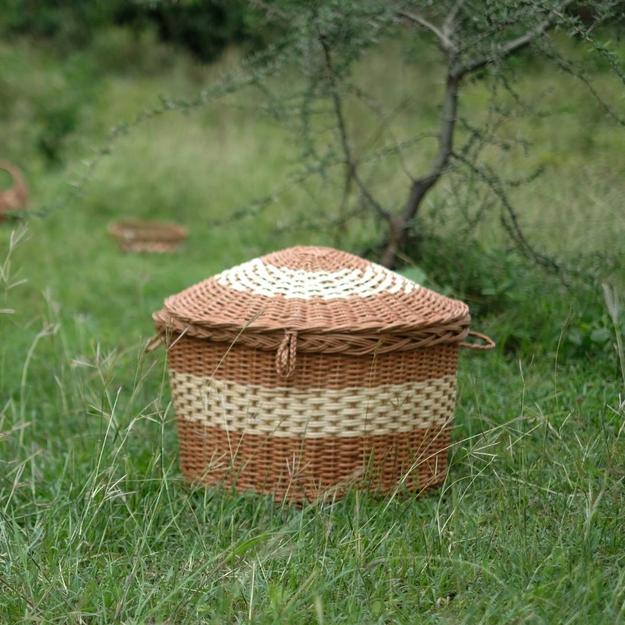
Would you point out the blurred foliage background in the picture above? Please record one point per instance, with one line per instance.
(239, 170)
(219, 115)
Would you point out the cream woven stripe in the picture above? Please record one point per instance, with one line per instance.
(265, 279)
(314, 413)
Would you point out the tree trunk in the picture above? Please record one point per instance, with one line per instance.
(400, 226)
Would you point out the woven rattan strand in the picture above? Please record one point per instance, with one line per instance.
(138, 235)
(330, 342)
(238, 363)
(310, 371)
(338, 293)
(305, 469)
(314, 412)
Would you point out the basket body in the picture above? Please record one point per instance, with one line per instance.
(310, 371)
(382, 422)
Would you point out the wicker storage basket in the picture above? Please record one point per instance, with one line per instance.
(139, 235)
(16, 196)
(311, 370)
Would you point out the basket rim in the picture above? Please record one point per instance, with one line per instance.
(348, 341)
(165, 321)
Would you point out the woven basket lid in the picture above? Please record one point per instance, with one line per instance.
(311, 290)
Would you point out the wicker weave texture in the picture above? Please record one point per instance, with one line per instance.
(313, 289)
(309, 371)
(301, 470)
(256, 367)
(138, 235)
(314, 413)
(338, 418)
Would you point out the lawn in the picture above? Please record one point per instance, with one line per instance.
(96, 523)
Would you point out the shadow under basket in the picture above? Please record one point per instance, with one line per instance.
(140, 235)
(308, 372)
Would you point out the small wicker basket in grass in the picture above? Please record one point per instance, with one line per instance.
(15, 197)
(141, 235)
(309, 371)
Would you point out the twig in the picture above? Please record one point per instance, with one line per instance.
(567, 67)
(450, 20)
(613, 305)
(513, 45)
(350, 163)
(511, 225)
(445, 42)
(421, 186)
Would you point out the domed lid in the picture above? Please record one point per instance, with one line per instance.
(311, 290)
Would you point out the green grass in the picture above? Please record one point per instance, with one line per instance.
(96, 524)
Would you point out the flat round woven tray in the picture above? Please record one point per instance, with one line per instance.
(140, 235)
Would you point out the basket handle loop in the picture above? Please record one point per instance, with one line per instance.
(487, 342)
(285, 356)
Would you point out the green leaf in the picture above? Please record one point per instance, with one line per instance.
(414, 273)
(600, 335)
